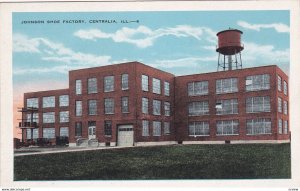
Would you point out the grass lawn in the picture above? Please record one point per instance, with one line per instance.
(245, 161)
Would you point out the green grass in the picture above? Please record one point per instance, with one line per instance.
(245, 161)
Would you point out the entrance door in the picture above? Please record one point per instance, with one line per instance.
(125, 135)
(92, 132)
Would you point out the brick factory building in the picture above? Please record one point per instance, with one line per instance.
(134, 104)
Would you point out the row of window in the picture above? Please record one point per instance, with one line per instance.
(230, 85)
(48, 102)
(156, 107)
(258, 126)
(48, 133)
(109, 85)
(279, 85)
(49, 117)
(230, 106)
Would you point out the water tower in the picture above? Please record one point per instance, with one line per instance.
(229, 49)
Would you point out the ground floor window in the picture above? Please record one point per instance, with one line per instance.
(199, 128)
(259, 126)
(64, 132)
(145, 131)
(107, 128)
(167, 128)
(228, 127)
(280, 126)
(156, 128)
(35, 134)
(49, 133)
(285, 130)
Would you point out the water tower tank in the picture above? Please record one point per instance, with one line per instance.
(229, 42)
(229, 48)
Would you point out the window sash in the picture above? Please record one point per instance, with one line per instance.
(49, 133)
(109, 106)
(198, 108)
(279, 105)
(199, 128)
(64, 100)
(167, 109)
(107, 128)
(258, 104)
(198, 88)
(229, 85)
(78, 87)
(229, 106)
(166, 88)
(125, 106)
(285, 107)
(64, 116)
(228, 127)
(145, 125)
(156, 128)
(285, 130)
(48, 101)
(35, 117)
(35, 134)
(145, 83)
(258, 82)
(49, 117)
(259, 126)
(92, 85)
(156, 86)
(145, 105)
(125, 83)
(167, 128)
(280, 126)
(156, 107)
(279, 83)
(78, 129)
(285, 88)
(92, 107)
(64, 132)
(109, 83)
(78, 108)
(32, 102)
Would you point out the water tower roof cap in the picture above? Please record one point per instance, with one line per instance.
(229, 30)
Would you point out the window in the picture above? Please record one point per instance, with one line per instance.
(227, 106)
(49, 117)
(125, 84)
(198, 88)
(32, 102)
(145, 131)
(145, 103)
(92, 107)
(78, 88)
(64, 116)
(280, 126)
(258, 82)
(78, 108)
(285, 130)
(279, 83)
(35, 133)
(156, 107)
(198, 108)
(109, 106)
(279, 105)
(227, 85)
(35, 117)
(285, 107)
(78, 129)
(167, 109)
(64, 132)
(125, 106)
(228, 127)
(167, 128)
(49, 133)
(109, 83)
(156, 86)
(259, 126)
(107, 128)
(156, 128)
(64, 100)
(167, 88)
(258, 104)
(92, 85)
(145, 83)
(48, 101)
(199, 128)
(285, 88)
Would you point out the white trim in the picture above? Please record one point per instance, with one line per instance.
(155, 143)
(202, 142)
(258, 141)
(72, 144)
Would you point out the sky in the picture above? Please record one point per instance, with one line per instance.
(179, 42)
